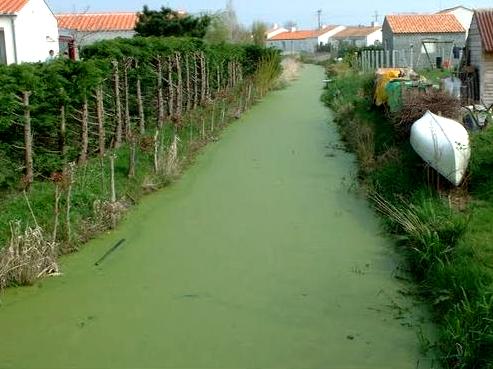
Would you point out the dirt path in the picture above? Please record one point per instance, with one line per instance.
(261, 256)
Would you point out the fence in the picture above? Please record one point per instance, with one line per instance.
(412, 57)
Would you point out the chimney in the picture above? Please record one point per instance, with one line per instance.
(293, 29)
(275, 26)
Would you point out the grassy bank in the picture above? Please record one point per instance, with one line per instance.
(445, 233)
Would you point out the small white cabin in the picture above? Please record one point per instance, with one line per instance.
(28, 31)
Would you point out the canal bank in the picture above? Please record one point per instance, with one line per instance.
(261, 256)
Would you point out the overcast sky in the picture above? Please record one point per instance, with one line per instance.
(280, 11)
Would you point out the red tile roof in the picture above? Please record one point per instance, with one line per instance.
(485, 25)
(356, 32)
(91, 22)
(424, 23)
(301, 35)
(11, 6)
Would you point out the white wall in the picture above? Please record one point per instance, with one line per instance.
(88, 38)
(276, 32)
(6, 24)
(324, 39)
(464, 16)
(36, 31)
(372, 38)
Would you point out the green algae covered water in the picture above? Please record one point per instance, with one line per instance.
(259, 257)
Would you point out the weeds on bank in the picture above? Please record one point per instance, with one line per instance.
(448, 250)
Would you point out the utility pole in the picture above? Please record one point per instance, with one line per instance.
(376, 16)
(319, 15)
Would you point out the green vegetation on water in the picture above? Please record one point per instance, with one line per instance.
(445, 233)
(260, 256)
(147, 103)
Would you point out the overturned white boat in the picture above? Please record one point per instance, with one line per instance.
(444, 144)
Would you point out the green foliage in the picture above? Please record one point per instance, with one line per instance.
(448, 251)
(168, 22)
(259, 30)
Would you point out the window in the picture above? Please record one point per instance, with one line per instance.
(428, 45)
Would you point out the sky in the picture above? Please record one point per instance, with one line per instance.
(304, 13)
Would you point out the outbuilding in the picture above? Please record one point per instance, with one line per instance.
(359, 36)
(423, 40)
(478, 72)
(308, 41)
(28, 31)
(87, 28)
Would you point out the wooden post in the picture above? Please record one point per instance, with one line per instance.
(112, 178)
(28, 140)
(85, 133)
(171, 90)
(132, 155)
(179, 86)
(188, 84)
(140, 108)
(126, 99)
(63, 132)
(100, 117)
(160, 98)
(118, 105)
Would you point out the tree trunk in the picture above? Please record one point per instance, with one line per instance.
(203, 79)
(187, 83)
(126, 100)
(156, 152)
(179, 86)
(70, 175)
(112, 178)
(132, 155)
(85, 133)
(28, 141)
(160, 98)
(171, 90)
(195, 83)
(140, 107)
(118, 105)
(100, 117)
(56, 211)
(63, 132)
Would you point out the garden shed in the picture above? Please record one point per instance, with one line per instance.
(479, 62)
(423, 40)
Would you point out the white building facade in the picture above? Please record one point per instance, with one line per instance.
(28, 31)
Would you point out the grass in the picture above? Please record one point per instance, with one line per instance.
(448, 248)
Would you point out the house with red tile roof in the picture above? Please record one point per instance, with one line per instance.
(359, 36)
(479, 56)
(87, 28)
(274, 31)
(28, 31)
(423, 40)
(298, 41)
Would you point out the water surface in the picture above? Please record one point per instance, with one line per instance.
(259, 257)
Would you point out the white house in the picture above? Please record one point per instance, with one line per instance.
(463, 15)
(87, 28)
(274, 31)
(293, 41)
(28, 31)
(359, 36)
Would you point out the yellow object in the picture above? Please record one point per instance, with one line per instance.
(384, 76)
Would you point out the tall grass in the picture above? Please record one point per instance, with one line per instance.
(449, 251)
